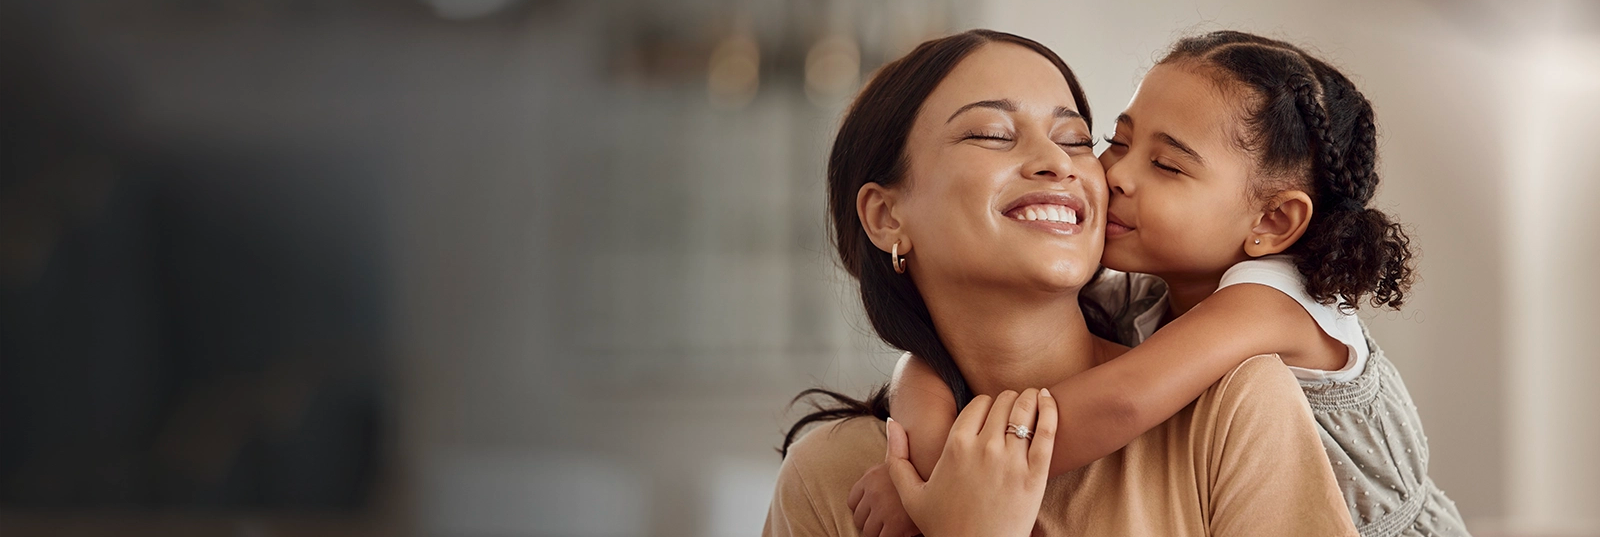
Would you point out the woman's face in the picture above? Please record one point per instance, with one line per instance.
(1180, 203)
(1003, 188)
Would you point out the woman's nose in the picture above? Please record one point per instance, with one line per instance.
(1049, 162)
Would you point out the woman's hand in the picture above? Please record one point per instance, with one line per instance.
(987, 482)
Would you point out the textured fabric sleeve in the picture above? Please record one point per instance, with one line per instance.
(1265, 462)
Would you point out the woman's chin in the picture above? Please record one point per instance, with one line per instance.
(1118, 260)
(1063, 278)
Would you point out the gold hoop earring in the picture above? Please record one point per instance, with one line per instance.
(899, 262)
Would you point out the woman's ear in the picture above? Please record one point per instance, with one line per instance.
(1278, 227)
(876, 205)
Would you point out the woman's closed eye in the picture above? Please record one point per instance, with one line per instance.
(993, 136)
(1078, 142)
(997, 138)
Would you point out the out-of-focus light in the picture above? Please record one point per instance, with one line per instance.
(460, 10)
(735, 72)
(1566, 63)
(491, 492)
(833, 67)
(740, 493)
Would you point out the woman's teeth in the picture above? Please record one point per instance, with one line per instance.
(1050, 213)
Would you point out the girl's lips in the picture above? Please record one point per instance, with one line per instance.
(1115, 227)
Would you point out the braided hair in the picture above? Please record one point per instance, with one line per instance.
(1310, 129)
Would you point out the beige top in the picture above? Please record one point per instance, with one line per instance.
(1243, 459)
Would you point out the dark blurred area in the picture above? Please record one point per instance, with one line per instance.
(325, 267)
(187, 322)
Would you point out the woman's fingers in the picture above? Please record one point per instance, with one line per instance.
(980, 486)
(907, 482)
(1023, 414)
(1044, 438)
(998, 414)
(970, 421)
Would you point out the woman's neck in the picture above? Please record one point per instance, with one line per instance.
(1001, 342)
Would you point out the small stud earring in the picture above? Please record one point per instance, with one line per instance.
(1258, 241)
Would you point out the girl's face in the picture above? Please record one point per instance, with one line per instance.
(1003, 188)
(1180, 203)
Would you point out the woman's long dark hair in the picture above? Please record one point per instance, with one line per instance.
(1311, 129)
(870, 147)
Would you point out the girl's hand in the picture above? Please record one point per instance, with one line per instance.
(987, 482)
(877, 506)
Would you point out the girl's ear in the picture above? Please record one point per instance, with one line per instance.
(1280, 225)
(876, 206)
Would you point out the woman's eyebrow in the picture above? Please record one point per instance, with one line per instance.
(1004, 105)
(1007, 105)
(1063, 112)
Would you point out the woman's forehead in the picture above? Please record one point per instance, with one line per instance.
(1002, 72)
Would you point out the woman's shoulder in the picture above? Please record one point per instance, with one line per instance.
(1259, 394)
(1263, 374)
(846, 440)
(1261, 447)
(813, 488)
(1262, 389)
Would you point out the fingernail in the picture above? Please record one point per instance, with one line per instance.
(1044, 392)
(891, 418)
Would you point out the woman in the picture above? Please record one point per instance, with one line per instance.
(968, 204)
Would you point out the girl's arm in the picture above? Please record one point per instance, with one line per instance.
(1104, 408)
(922, 405)
(1107, 406)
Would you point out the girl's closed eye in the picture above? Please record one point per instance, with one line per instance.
(1158, 164)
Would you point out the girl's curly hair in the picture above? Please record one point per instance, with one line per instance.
(1311, 129)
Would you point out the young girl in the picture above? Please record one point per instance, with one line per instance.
(1240, 176)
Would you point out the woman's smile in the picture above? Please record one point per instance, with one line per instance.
(1054, 212)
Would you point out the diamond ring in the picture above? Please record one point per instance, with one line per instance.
(1020, 430)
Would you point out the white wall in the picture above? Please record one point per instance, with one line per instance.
(1551, 185)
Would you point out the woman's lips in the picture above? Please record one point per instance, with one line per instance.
(1053, 211)
(1052, 226)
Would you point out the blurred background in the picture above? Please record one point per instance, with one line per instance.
(490, 268)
